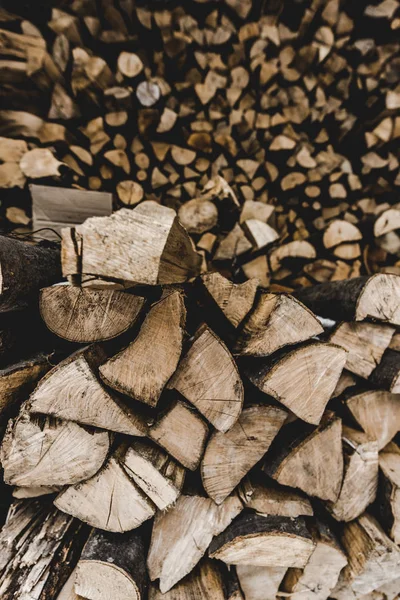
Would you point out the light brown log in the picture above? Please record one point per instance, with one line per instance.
(230, 456)
(234, 300)
(181, 536)
(85, 315)
(204, 582)
(72, 391)
(47, 452)
(143, 368)
(377, 413)
(198, 215)
(154, 472)
(365, 344)
(314, 372)
(276, 321)
(310, 459)
(321, 573)
(160, 251)
(339, 232)
(208, 377)
(269, 498)
(360, 478)
(182, 433)
(373, 559)
(108, 500)
(388, 500)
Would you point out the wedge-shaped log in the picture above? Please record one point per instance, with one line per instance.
(314, 372)
(182, 535)
(109, 500)
(387, 373)
(376, 297)
(182, 433)
(116, 563)
(39, 546)
(264, 542)
(373, 559)
(260, 583)
(377, 413)
(25, 269)
(18, 380)
(39, 451)
(277, 320)
(143, 368)
(34, 491)
(71, 391)
(360, 479)
(208, 377)
(340, 232)
(204, 582)
(321, 573)
(388, 500)
(85, 315)
(277, 500)
(155, 472)
(235, 300)
(365, 344)
(146, 245)
(230, 456)
(309, 459)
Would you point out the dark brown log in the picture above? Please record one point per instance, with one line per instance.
(115, 560)
(386, 375)
(264, 541)
(38, 535)
(355, 299)
(25, 268)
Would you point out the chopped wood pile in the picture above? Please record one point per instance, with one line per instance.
(199, 300)
(191, 437)
(295, 105)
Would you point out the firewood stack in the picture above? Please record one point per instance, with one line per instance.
(195, 437)
(296, 107)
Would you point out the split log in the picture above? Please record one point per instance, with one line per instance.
(361, 298)
(339, 232)
(38, 451)
(387, 373)
(73, 392)
(204, 582)
(39, 548)
(321, 573)
(114, 563)
(198, 215)
(365, 344)
(182, 535)
(377, 413)
(85, 315)
(230, 456)
(19, 379)
(360, 479)
(275, 500)
(234, 300)
(154, 472)
(34, 491)
(315, 369)
(142, 369)
(309, 459)
(388, 500)
(182, 433)
(146, 245)
(264, 542)
(208, 377)
(25, 268)
(373, 559)
(277, 320)
(109, 500)
(260, 583)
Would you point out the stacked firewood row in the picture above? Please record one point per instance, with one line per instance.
(193, 437)
(295, 107)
